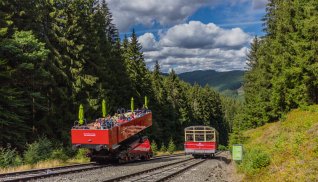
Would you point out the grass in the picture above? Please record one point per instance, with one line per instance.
(57, 163)
(167, 153)
(292, 144)
(44, 164)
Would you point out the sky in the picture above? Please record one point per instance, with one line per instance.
(188, 35)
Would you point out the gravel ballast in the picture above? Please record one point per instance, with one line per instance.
(113, 171)
(213, 170)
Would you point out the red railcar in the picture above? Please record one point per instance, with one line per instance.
(201, 141)
(122, 141)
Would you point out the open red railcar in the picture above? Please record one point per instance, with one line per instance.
(201, 141)
(121, 142)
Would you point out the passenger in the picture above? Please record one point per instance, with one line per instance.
(96, 124)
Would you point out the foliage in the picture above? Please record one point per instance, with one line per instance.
(283, 64)
(38, 150)
(171, 146)
(154, 147)
(9, 157)
(81, 154)
(222, 147)
(59, 154)
(56, 55)
(221, 81)
(254, 160)
(163, 148)
(291, 145)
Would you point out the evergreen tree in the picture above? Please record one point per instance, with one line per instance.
(171, 146)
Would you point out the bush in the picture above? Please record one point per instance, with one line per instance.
(59, 154)
(154, 147)
(222, 147)
(171, 146)
(81, 154)
(37, 151)
(254, 160)
(9, 157)
(163, 148)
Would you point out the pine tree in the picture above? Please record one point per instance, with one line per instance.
(163, 148)
(154, 147)
(171, 146)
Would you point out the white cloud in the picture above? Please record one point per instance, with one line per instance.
(148, 42)
(197, 46)
(198, 35)
(259, 4)
(166, 12)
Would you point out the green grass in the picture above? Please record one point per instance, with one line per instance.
(291, 144)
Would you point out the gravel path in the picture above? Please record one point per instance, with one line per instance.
(212, 170)
(112, 171)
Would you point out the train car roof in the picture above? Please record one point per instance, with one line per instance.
(200, 128)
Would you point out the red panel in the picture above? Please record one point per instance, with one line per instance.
(90, 136)
(143, 147)
(200, 145)
(114, 135)
(130, 128)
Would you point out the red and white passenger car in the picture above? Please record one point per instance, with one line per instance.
(201, 141)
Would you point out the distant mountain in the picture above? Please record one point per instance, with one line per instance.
(228, 82)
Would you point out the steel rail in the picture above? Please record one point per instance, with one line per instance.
(54, 171)
(146, 171)
(49, 172)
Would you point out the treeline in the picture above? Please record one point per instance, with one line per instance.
(55, 55)
(283, 65)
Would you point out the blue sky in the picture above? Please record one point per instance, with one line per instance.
(188, 35)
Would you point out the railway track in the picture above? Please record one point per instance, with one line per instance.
(160, 173)
(55, 171)
(48, 172)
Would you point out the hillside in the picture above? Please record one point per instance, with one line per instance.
(225, 82)
(291, 145)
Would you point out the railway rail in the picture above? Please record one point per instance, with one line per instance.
(49, 172)
(160, 173)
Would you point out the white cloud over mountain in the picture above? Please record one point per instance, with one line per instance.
(194, 45)
(186, 46)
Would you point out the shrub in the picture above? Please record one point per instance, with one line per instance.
(222, 147)
(254, 160)
(163, 148)
(154, 147)
(81, 154)
(171, 146)
(59, 154)
(38, 150)
(9, 157)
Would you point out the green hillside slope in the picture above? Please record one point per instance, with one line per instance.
(230, 80)
(226, 82)
(291, 146)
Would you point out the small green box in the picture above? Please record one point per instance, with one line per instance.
(237, 152)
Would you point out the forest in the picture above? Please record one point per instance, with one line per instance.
(283, 64)
(56, 55)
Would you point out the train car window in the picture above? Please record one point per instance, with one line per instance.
(199, 138)
(189, 138)
(209, 137)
